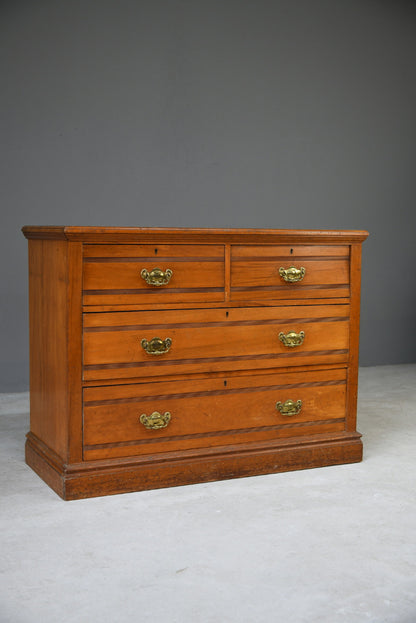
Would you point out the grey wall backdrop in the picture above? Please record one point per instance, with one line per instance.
(216, 113)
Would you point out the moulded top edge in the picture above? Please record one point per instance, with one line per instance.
(185, 234)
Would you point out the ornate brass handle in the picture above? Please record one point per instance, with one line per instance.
(292, 274)
(156, 420)
(156, 346)
(156, 277)
(292, 338)
(289, 407)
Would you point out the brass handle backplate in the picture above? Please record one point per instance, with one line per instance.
(156, 277)
(292, 338)
(292, 274)
(156, 420)
(289, 407)
(156, 346)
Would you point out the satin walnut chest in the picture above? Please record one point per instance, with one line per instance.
(163, 357)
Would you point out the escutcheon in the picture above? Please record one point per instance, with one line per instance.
(156, 346)
(156, 277)
(292, 338)
(292, 274)
(156, 420)
(289, 407)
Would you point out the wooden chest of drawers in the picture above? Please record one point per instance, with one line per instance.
(162, 357)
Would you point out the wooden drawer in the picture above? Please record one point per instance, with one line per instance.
(211, 412)
(112, 274)
(205, 340)
(324, 272)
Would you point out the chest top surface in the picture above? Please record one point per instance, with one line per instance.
(200, 235)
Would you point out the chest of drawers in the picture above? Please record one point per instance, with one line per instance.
(163, 357)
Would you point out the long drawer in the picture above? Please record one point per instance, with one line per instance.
(285, 272)
(144, 344)
(178, 415)
(151, 274)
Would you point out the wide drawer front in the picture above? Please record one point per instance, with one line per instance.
(179, 415)
(284, 272)
(131, 344)
(147, 274)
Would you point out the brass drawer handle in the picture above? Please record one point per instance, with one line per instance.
(292, 338)
(156, 346)
(156, 277)
(289, 407)
(156, 420)
(292, 274)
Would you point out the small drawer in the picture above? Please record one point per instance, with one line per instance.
(178, 415)
(145, 344)
(285, 272)
(150, 274)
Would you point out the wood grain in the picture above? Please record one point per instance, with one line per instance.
(217, 382)
(178, 235)
(106, 477)
(74, 337)
(256, 363)
(256, 275)
(213, 440)
(124, 346)
(112, 273)
(203, 411)
(224, 309)
(48, 333)
(192, 279)
(351, 423)
(154, 252)
(289, 252)
(249, 334)
(251, 302)
(210, 412)
(184, 317)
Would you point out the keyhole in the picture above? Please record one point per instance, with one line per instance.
(225, 383)
(291, 251)
(155, 251)
(226, 314)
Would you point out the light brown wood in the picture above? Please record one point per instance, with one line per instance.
(169, 469)
(180, 235)
(185, 317)
(223, 309)
(354, 337)
(112, 342)
(129, 372)
(46, 463)
(120, 276)
(264, 273)
(152, 252)
(219, 374)
(232, 407)
(197, 344)
(74, 336)
(289, 252)
(255, 272)
(270, 295)
(222, 440)
(217, 382)
(48, 326)
(252, 302)
(123, 298)
(227, 269)
(55, 273)
(112, 273)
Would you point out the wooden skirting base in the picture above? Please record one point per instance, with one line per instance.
(96, 478)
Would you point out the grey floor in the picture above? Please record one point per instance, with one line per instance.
(336, 544)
